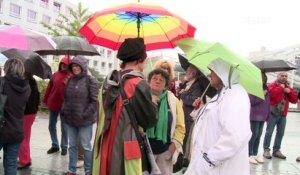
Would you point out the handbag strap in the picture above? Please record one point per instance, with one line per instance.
(131, 115)
(2, 81)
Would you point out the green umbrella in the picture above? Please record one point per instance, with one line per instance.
(201, 53)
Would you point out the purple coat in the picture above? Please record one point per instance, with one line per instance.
(260, 109)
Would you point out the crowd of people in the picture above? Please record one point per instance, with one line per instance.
(146, 125)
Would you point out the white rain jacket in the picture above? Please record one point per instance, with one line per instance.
(222, 129)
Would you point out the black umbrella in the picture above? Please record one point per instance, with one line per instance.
(70, 45)
(33, 62)
(178, 68)
(202, 78)
(273, 65)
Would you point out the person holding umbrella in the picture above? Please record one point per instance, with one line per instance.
(114, 128)
(30, 112)
(222, 128)
(53, 99)
(79, 111)
(193, 90)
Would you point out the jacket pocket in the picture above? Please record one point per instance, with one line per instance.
(132, 158)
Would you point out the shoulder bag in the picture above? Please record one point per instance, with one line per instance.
(148, 161)
(3, 99)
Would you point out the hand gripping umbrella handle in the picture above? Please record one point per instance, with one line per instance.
(204, 91)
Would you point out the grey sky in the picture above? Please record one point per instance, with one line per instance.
(243, 25)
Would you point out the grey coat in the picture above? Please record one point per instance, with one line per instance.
(80, 107)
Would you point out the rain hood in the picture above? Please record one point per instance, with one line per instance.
(228, 73)
(82, 62)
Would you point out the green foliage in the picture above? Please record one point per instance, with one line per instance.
(97, 75)
(70, 25)
(42, 86)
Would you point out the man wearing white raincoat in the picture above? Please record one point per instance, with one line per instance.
(222, 129)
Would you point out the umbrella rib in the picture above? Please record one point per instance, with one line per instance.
(97, 33)
(114, 19)
(123, 29)
(180, 26)
(155, 22)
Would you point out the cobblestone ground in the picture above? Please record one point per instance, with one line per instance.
(55, 164)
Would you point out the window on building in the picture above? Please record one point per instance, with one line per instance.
(44, 3)
(102, 65)
(1, 6)
(95, 63)
(15, 10)
(46, 19)
(31, 16)
(109, 65)
(56, 6)
(109, 54)
(101, 52)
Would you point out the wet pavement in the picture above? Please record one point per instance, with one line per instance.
(56, 164)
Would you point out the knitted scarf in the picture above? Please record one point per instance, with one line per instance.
(160, 131)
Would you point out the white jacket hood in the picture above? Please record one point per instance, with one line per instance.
(228, 73)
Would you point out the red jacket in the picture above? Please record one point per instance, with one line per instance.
(277, 95)
(54, 94)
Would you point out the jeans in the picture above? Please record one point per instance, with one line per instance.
(53, 131)
(84, 136)
(256, 128)
(279, 122)
(10, 155)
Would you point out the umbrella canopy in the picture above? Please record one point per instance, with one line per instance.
(178, 68)
(202, 78)
(33, 62)
(24, 39)
(159, 27)
(70, 45)
(204, 52)
(273, 65)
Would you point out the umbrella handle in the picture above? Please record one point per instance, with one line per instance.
(204, 91)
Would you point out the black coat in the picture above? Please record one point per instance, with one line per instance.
(17, 91)
(80, 107)
(188, 97)
(32, 105)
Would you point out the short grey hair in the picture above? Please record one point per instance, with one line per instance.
(14, 66)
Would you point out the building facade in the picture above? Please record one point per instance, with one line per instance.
(30, 14)
(290, 54)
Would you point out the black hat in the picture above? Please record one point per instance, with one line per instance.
(131, 49)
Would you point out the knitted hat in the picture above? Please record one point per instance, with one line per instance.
(131, 49)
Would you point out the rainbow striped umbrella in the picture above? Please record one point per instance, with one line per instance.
(159, 27)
